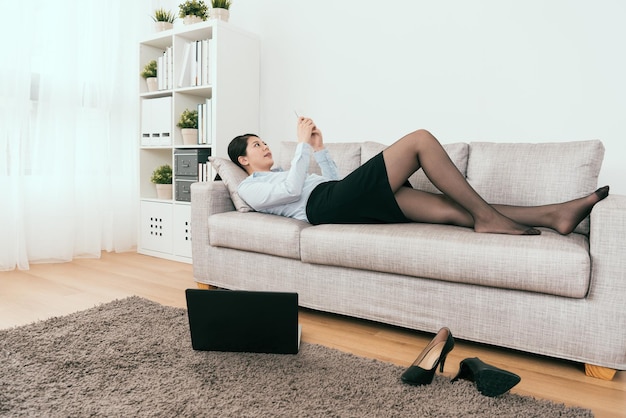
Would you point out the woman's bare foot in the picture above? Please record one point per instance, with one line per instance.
(500, 224)
(568, 215)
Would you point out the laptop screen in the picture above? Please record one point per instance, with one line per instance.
(247, 321)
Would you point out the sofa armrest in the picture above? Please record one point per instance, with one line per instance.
(207, 198)
(210, 197)
(607, 247)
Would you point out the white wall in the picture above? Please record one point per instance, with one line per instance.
(482, 70)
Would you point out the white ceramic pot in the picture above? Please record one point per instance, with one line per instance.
(220, 14)
(190, 136)
(161, 26)
(164, 191)
(152, 83)
(191, 19)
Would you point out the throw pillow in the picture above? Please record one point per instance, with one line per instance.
(231, 174)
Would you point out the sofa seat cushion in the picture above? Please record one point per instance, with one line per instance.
(530, 263)
(257, 232)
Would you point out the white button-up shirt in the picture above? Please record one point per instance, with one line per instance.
(286, 193)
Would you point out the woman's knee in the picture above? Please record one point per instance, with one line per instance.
(422, 137)
(422, 133)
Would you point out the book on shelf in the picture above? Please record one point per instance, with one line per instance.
(170, 68)
(195, 67)
(204, 63)
(165, 70)
(205, 122)
(204, 172)
(201, 127)
(185, 72)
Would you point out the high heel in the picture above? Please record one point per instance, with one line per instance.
(423, 369)
(490, 380)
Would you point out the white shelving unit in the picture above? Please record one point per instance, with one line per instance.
(233, 87)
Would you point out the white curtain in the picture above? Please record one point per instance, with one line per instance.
(68, 129)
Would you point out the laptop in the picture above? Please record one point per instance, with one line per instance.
(243, 321)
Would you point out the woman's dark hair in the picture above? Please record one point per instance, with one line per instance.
(237, 148)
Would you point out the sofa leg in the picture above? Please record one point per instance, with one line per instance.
(599, 372)
(205, 286)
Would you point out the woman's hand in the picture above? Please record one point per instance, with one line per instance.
(308, 132)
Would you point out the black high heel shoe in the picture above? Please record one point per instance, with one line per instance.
(490, 381)
(423, 369)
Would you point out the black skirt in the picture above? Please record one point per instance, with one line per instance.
(364, 196)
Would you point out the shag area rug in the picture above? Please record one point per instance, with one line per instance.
(133, 358)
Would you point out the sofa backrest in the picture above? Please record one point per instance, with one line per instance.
(350, 155)
(524, 174)
(457, 152)
(534, 174)
(528, 174)
(347, 156)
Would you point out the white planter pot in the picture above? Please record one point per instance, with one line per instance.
(161, 26)
(164, 191)
(220, 14)
(190, 136)
(152, 83)
(191, 19)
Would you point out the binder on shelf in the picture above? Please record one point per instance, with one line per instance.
(156, 121)
(146, 127)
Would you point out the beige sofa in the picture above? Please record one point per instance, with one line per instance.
(559, 296)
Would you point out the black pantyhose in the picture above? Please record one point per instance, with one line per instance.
(460, 204)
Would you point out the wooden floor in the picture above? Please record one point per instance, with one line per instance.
(57, 289)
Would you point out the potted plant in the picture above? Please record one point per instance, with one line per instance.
(162, 178)
(193, 11)
(150, 74)
(163, 20)
(188, 124)
(220, 10)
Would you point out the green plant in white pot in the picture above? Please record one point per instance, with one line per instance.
(162, 178)
(188, 124)
(149, 73)
(220, 9)
(193, 11)
(163, 19)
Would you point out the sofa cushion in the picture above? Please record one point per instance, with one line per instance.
(456, 254)
(535, 174)
(458, 153)
(347, 156)
(231, 174)
(258, 232)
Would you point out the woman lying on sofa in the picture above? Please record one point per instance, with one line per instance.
(379, 192)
